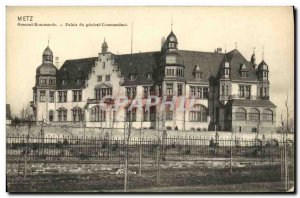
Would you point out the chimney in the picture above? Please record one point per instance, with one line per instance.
(218, 50)
(57, 62)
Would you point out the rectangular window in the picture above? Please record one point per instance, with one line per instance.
(65, 96)
(130, 92)
(99, 78)
(146, 92)
(51, 96)
(193, 92)
(159, 90)
(52, 81)
(133, 92)
(107, 78)
(100, 93)
(248, 92)
(241, 92)
(199, 92)
(169, 89)
(152, 91)
(42, 96)
(77, 95)
(244, 74)
(59, 96)
(179, 90)
(205, 92)
(43, 81)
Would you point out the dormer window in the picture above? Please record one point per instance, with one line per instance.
(244, 74)
(226, 71)
(243, 71)
(198, 75)
(149, 76)
(132, 76)
(64, 82)
(197, 72)
(78, 81)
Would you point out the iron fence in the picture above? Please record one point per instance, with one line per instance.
(169, 148)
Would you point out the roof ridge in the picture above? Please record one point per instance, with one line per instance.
(81, 58)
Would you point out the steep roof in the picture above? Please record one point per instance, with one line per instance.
(236, 59)
(72, 70)
(251, 103)
(209, 63)
(8, 112)
(140, 64)
(147, 62)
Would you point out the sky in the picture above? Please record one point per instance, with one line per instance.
(196, 28)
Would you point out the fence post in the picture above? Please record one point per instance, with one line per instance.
(140, 157)
(231, 155)
(158, 166)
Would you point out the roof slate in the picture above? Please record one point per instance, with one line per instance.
(251, 103)
(147, 62)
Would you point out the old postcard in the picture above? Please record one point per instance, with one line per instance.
(150, 99)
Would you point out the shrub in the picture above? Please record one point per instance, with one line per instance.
(176, 128)
(169, 128)
(193, 129)
(188, 152)
(198, 129)
(35, 146)
(65, 142)
(58, 144)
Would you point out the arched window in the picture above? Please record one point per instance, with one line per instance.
(254, 115)
(77, 114)
(62, 114)
(222, 91)
(198, 113)
(241, 114)
(268, 115)
(51, 115)
(97, 114)
(169, 113)
(131, 115)
(226, 90)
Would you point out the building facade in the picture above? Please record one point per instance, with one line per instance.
(198, 91)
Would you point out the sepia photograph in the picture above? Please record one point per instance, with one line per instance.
(108, 99)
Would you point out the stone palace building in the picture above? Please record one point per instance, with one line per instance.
(227, 92)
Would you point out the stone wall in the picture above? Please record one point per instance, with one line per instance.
(59, 131)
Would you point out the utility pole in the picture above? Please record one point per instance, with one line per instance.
(286, 147)
(131, 37)
(27, 146)
(140, 150)
(231, 152)
(158, 153)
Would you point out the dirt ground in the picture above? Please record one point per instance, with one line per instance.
(243, 179)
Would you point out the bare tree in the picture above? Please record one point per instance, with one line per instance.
(128, 123)
(25, 113)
